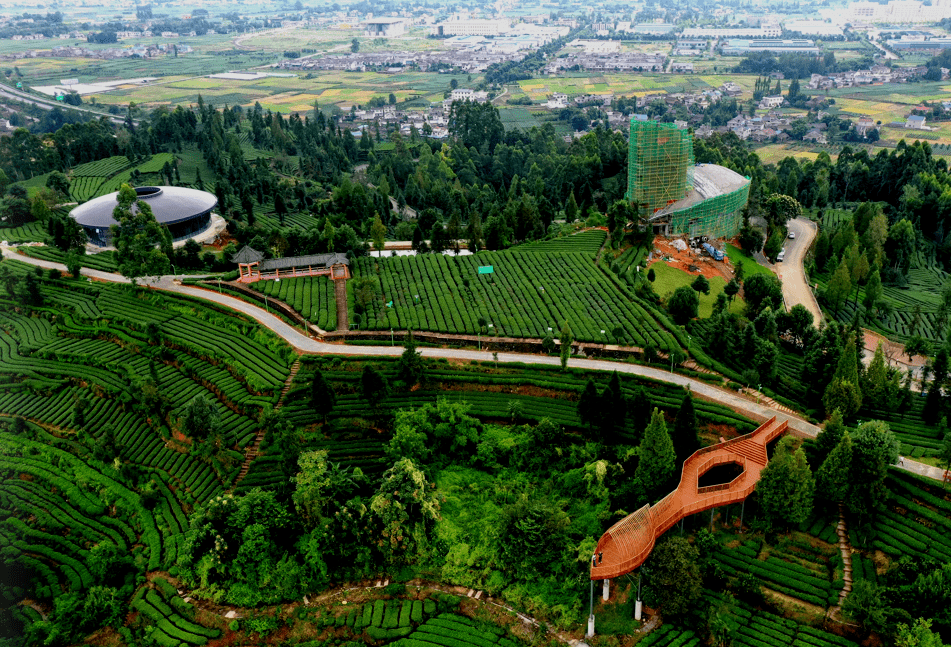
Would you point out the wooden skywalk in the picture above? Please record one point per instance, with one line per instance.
(627, 544)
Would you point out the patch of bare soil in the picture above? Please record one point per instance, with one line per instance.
(690, 261)
(794, 602)
(514, 389)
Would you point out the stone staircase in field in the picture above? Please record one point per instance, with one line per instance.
(845, 548)
(252, 451)
(760, 397)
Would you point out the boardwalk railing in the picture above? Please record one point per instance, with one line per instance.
(628, 543)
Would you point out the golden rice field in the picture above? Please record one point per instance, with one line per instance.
(773, 153)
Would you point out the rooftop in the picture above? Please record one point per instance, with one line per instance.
(318, 260)
(170, 205)
(709, 181)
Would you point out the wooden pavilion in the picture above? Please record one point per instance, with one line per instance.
(252, 267)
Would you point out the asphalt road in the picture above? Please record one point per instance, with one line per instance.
(790, 270)
(49, 104)
(307, 344)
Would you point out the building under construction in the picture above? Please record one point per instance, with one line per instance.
(673, 194)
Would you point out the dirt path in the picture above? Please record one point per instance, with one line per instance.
(252, 452)
(343, 314)
(845, 549)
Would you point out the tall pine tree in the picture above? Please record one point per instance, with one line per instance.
(685, 437)
(323, 398)
(786, 487)
(832, 477)
(656, 460)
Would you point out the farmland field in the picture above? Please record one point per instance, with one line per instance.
(525, 296)
(312, 296)
(284, 94)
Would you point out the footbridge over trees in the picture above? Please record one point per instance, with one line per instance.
(628, 543)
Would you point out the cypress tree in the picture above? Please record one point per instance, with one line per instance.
(832, 478)
(786, 487)
(831, 434)
(640, 411)
(589, 404)
(613, 408)
(410, 368)
(373, 385)
(656, 462)
(685, 437)
(844, 392)
(571, 209)
(566, 340)
(323, 398)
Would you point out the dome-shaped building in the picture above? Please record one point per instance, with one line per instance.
(184, 212)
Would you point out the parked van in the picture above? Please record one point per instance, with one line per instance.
(781, 255)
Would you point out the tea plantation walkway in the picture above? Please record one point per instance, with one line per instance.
(628, 543)
(295, 338)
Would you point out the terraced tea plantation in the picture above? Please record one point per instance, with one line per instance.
(798, 569)
(85, 371)
(758, 628)
(453, 630)
(104, 176)
(914, 308)
(530, 292)
(312, 296)
(171, 616)
(491, 393)
(918, 520)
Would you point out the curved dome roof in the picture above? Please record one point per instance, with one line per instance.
(170, 205)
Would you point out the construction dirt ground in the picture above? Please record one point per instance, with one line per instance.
(689, 260)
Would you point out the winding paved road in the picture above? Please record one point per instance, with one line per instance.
(791, 272)
(49, 104)
(306, 344)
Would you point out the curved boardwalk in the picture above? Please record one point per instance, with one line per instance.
(627, 544)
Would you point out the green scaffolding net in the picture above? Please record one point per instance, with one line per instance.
(672, 193)
(660, 159)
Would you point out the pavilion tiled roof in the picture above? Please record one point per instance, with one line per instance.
(247, 255)
(316, 260)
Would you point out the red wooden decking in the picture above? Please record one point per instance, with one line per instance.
(627, 544)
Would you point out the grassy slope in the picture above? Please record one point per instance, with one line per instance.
(739, 257)
(670, 278)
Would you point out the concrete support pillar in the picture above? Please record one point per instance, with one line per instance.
(606, 590)
(711, 519)
(591, 613)
(638, 605)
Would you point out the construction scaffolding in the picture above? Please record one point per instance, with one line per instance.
(719, 216)
(673, 195)
(659, 167)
